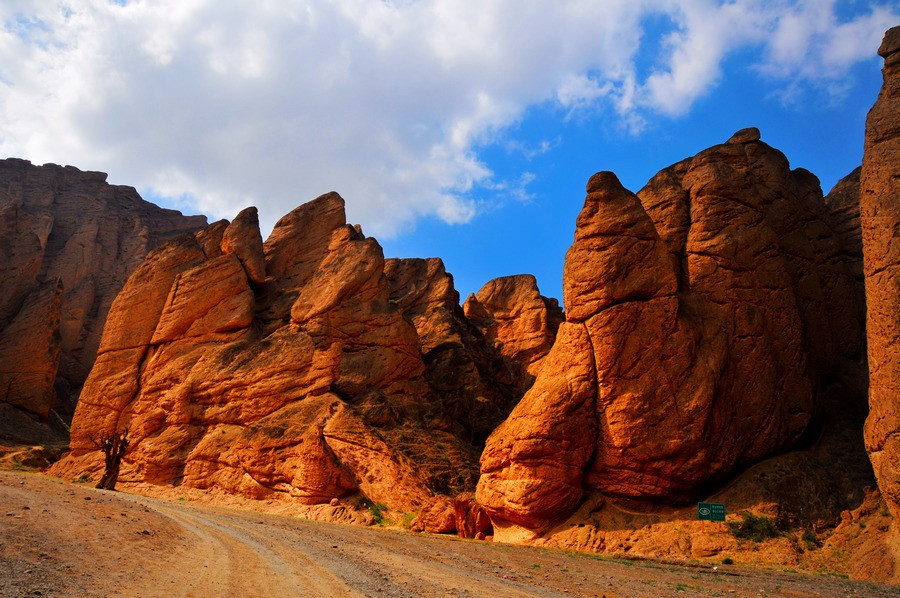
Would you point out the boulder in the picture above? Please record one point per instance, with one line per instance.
(437, 516)
(472, 521)
(701, 316)
(880, 217)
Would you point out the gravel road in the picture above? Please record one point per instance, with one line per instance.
(59, 539)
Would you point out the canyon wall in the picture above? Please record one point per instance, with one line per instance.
(68, 241)
(307, 367)
(880, 217)
(701, 315)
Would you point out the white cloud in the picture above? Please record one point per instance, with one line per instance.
(273, 103)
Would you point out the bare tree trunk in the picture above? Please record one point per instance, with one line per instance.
(114, 447)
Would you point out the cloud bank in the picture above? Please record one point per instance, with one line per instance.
(218, 105)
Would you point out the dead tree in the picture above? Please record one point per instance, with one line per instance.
(114, 447)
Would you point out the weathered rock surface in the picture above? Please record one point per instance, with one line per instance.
(306, 367)
(461, 515)
(68, 241)
(476, 385)
(880, 216)
(518, 321)
(843, 204)
(701, 316)
(29, 352)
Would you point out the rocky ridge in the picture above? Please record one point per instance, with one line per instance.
(307, 368)
(68, 241)
(701, 316)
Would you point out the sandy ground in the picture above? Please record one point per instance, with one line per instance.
(61, 539)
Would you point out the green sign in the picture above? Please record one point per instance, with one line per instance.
(710, 511)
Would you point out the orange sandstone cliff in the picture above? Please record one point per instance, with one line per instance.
(306, 367)
(701, 316)
(880, 216)
(68, 242)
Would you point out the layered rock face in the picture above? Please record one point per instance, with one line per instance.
(306, 367)
(843, 204)
(518, 322)
(880, 214)
(68, 241)
(701, 315)
(476, 387)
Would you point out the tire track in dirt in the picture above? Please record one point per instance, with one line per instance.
(238, 560)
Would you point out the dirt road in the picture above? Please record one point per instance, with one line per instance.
(59, 539)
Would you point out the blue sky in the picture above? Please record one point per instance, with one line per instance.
(816, 131)
(461, 129)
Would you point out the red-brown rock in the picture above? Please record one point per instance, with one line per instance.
(476, 387)
(29, 351)
(436, 517)
(517, 321)
(297, 379)
(472, 521)
(700, 316)
(843, 205)
(61, 228)
(880, 216)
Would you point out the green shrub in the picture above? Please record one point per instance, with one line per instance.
(378, 510)
(753, 527)
(84, 478)
(810, 539)
(407, 519)
(728, 561)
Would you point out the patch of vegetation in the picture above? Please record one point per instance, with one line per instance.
(19, 466)
(753, 527)
(809, 538)
(407, 519)
(535, 566)
(84, 478)
(728, 561)
(378, 510)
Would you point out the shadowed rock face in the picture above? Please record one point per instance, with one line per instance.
(843, 204)
(701, 315)
(880, 215)
(307, 367)
(475, 385)
(517, 321)
(68, 241)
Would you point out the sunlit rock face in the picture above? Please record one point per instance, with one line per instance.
(880, 217)
(68, 242)
(701, 315)
(307, 367)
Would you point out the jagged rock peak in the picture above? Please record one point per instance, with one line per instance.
(697, 332)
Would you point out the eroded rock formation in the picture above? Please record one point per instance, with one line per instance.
(880, 215)
(476, 389)
(306, 367)
(68, 241)
(518, 322)
(701, 315)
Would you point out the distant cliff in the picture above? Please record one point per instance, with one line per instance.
(68, 242)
